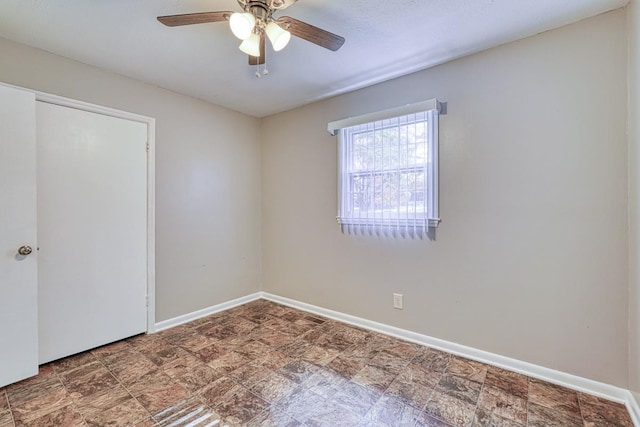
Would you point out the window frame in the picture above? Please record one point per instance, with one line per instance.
(344, 130)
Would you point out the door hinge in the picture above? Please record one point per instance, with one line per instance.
(147, 300)
(147, 146)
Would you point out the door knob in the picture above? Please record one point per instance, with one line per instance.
(25, 250)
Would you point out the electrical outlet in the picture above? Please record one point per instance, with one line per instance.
(397, 301)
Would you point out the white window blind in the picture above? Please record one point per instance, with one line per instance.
(388, 171)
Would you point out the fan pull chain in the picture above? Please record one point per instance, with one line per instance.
(264, 71)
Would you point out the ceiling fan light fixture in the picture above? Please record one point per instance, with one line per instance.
(242, 25)
(251, 46)
(278, 36)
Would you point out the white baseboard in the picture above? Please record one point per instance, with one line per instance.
(606, 391)
(574, 382)
(189, 317)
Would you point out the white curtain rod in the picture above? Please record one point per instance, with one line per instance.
(431, 104)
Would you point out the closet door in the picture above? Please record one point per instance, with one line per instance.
(92, 229)
(18, 273)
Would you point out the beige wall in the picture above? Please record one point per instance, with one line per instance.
(207, 178)
(530, 260)
(633, 13)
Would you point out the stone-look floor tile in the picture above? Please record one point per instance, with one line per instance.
(511, 382)
(176, 331)
(271, 418)
(554, 397)
(274, 338)
(301, 404)
(350, 335)
(378, 341)
(63, 417)
(450, 409)
(182, 365)
(148, 342)
(298, 371)
(130, 368)
(104, 400)
(426, 420)
(296, 349)
(333, 414)
(276, 309)
(73, 362)
(240, 406)
(273, 387)
(279, 325)
(314, 336)
(253, 349)
(250, 373)
(376, 378)
(346, 366)
(163, 355)
(110, 349)
(211, 352)
(319, 355)
(217, 390)
(189, 412)
(264, 364)
(274, 360)
(192, 342)
(485, 418)
(197, 378)
(433, 359)
(6, 420)
(325, 382)
(465, 390)
(123, 414)
(162, 397)
(355, 397)
(4, 403)
(389, 411)
(124, 356)
(51, 397)
(600, 412)
(87, 380)
(420, 375)
(496, 404)
(228, 363)
(258, 317)
(541, 416)
(310, 321)
(361, 353)
(467, 369)
(333, 341)
(409, 392)
(403, 350)
(151, 381)
(33, 387)
(146, 423)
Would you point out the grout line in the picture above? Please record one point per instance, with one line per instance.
(6, 396)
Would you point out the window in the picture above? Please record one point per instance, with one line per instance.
(388, 171)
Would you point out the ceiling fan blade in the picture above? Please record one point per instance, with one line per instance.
(194, 18)
(259, 61)
(310, 33)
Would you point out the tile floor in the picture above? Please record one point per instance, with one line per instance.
(263, 364)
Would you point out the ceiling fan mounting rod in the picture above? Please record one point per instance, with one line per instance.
(259, 9)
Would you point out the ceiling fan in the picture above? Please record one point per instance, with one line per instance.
(257, 23)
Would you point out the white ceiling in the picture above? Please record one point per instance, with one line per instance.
(385, 39)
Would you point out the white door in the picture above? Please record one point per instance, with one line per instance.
(18, 273)
(92, 229)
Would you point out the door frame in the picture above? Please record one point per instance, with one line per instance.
(151, 180)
